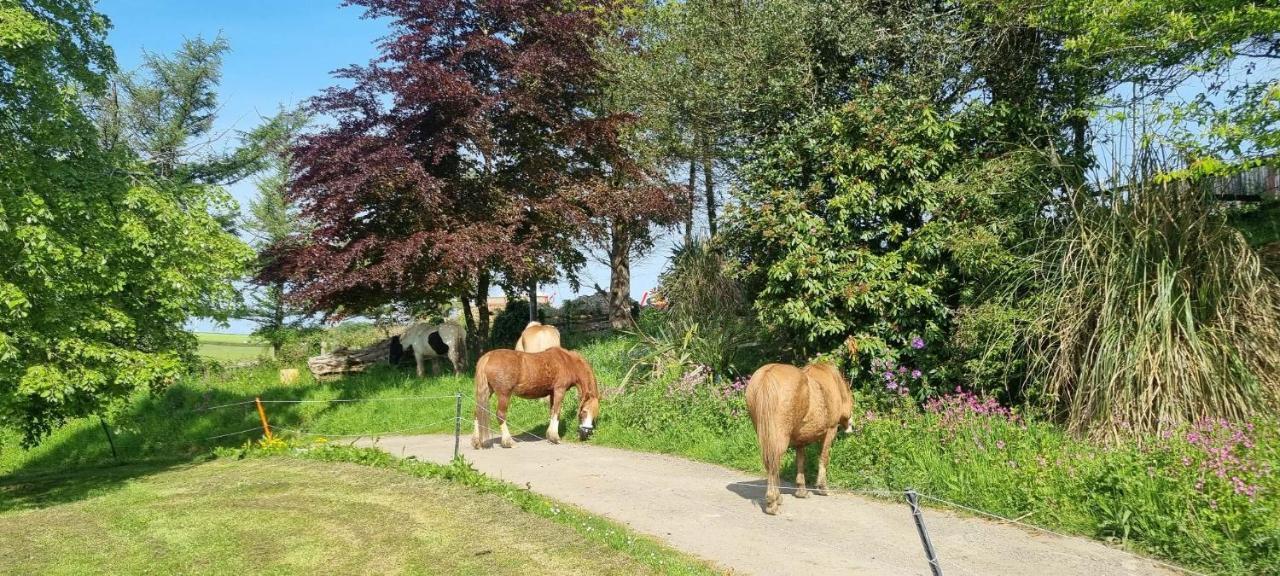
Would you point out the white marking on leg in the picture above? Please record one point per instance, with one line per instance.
(506, 436)
(553, 430)
(586, 422)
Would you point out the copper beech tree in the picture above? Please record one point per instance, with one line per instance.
(470, 151)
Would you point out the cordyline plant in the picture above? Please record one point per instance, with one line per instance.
(468, 151)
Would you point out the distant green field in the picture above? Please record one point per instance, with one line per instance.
(230, 347)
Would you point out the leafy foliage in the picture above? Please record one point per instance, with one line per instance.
(510, 322)
(471, 146)
(275, 225)
(708, 324)
(104, 262)
(876, 222)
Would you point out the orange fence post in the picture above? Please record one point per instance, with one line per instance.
(266, 428)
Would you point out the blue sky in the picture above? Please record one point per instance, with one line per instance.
(282, 52)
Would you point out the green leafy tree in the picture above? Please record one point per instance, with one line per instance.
(103, 263)
(273, 223)
(881, 220)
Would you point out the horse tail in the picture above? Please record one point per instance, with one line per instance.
(769, 411)
(481, 433)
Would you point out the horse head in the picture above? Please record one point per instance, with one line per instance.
(589, 397)
(588, 411)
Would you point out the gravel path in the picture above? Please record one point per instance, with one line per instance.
(715, 513)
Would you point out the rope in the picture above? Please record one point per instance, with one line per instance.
(1048, 531)
(369, 434)
(233, 433)
(508, 420)
(398, 398)
(223, 406)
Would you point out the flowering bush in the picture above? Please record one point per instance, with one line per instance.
(1206, 495)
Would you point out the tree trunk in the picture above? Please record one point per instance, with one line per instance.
(709, 188)
(533, 300)
(620, 276)
(482, 309)
(688, 218)
(468, 321)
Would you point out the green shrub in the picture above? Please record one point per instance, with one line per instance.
(708, 322)
(509, 323)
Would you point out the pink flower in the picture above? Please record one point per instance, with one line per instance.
(917, 343)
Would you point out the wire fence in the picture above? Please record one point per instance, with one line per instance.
(526, 432)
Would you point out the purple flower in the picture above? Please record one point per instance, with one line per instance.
(917, 343)
(891, 385)
(915, 374)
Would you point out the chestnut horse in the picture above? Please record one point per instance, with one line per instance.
(538, 337)
(794, 407)
(534, 375)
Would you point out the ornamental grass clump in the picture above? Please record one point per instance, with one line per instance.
(1158, 315)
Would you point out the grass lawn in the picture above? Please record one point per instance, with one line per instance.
(283, 515)
(230, 347)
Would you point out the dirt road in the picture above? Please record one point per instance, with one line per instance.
(715, 513)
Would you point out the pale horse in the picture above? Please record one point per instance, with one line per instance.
(446, 340)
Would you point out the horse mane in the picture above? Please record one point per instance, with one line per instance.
(587, 384)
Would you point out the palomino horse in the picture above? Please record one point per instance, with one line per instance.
(794, 407)
(538, 337)
(534, 375)
(428, 341)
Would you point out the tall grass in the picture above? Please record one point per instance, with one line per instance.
(1158, 315)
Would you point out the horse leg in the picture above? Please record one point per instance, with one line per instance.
(822, 460)
(553, 429)
(503, 400)
(417, 359)
(801, 492)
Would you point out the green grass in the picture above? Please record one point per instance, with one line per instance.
(230, 347)
(1144, 496)
(282, 515)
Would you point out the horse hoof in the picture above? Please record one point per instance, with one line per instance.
(506, 443)
(771, 510)
(802, 493)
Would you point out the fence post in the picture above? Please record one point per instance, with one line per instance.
(914, 501)
(457, 422)
(266, 428)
